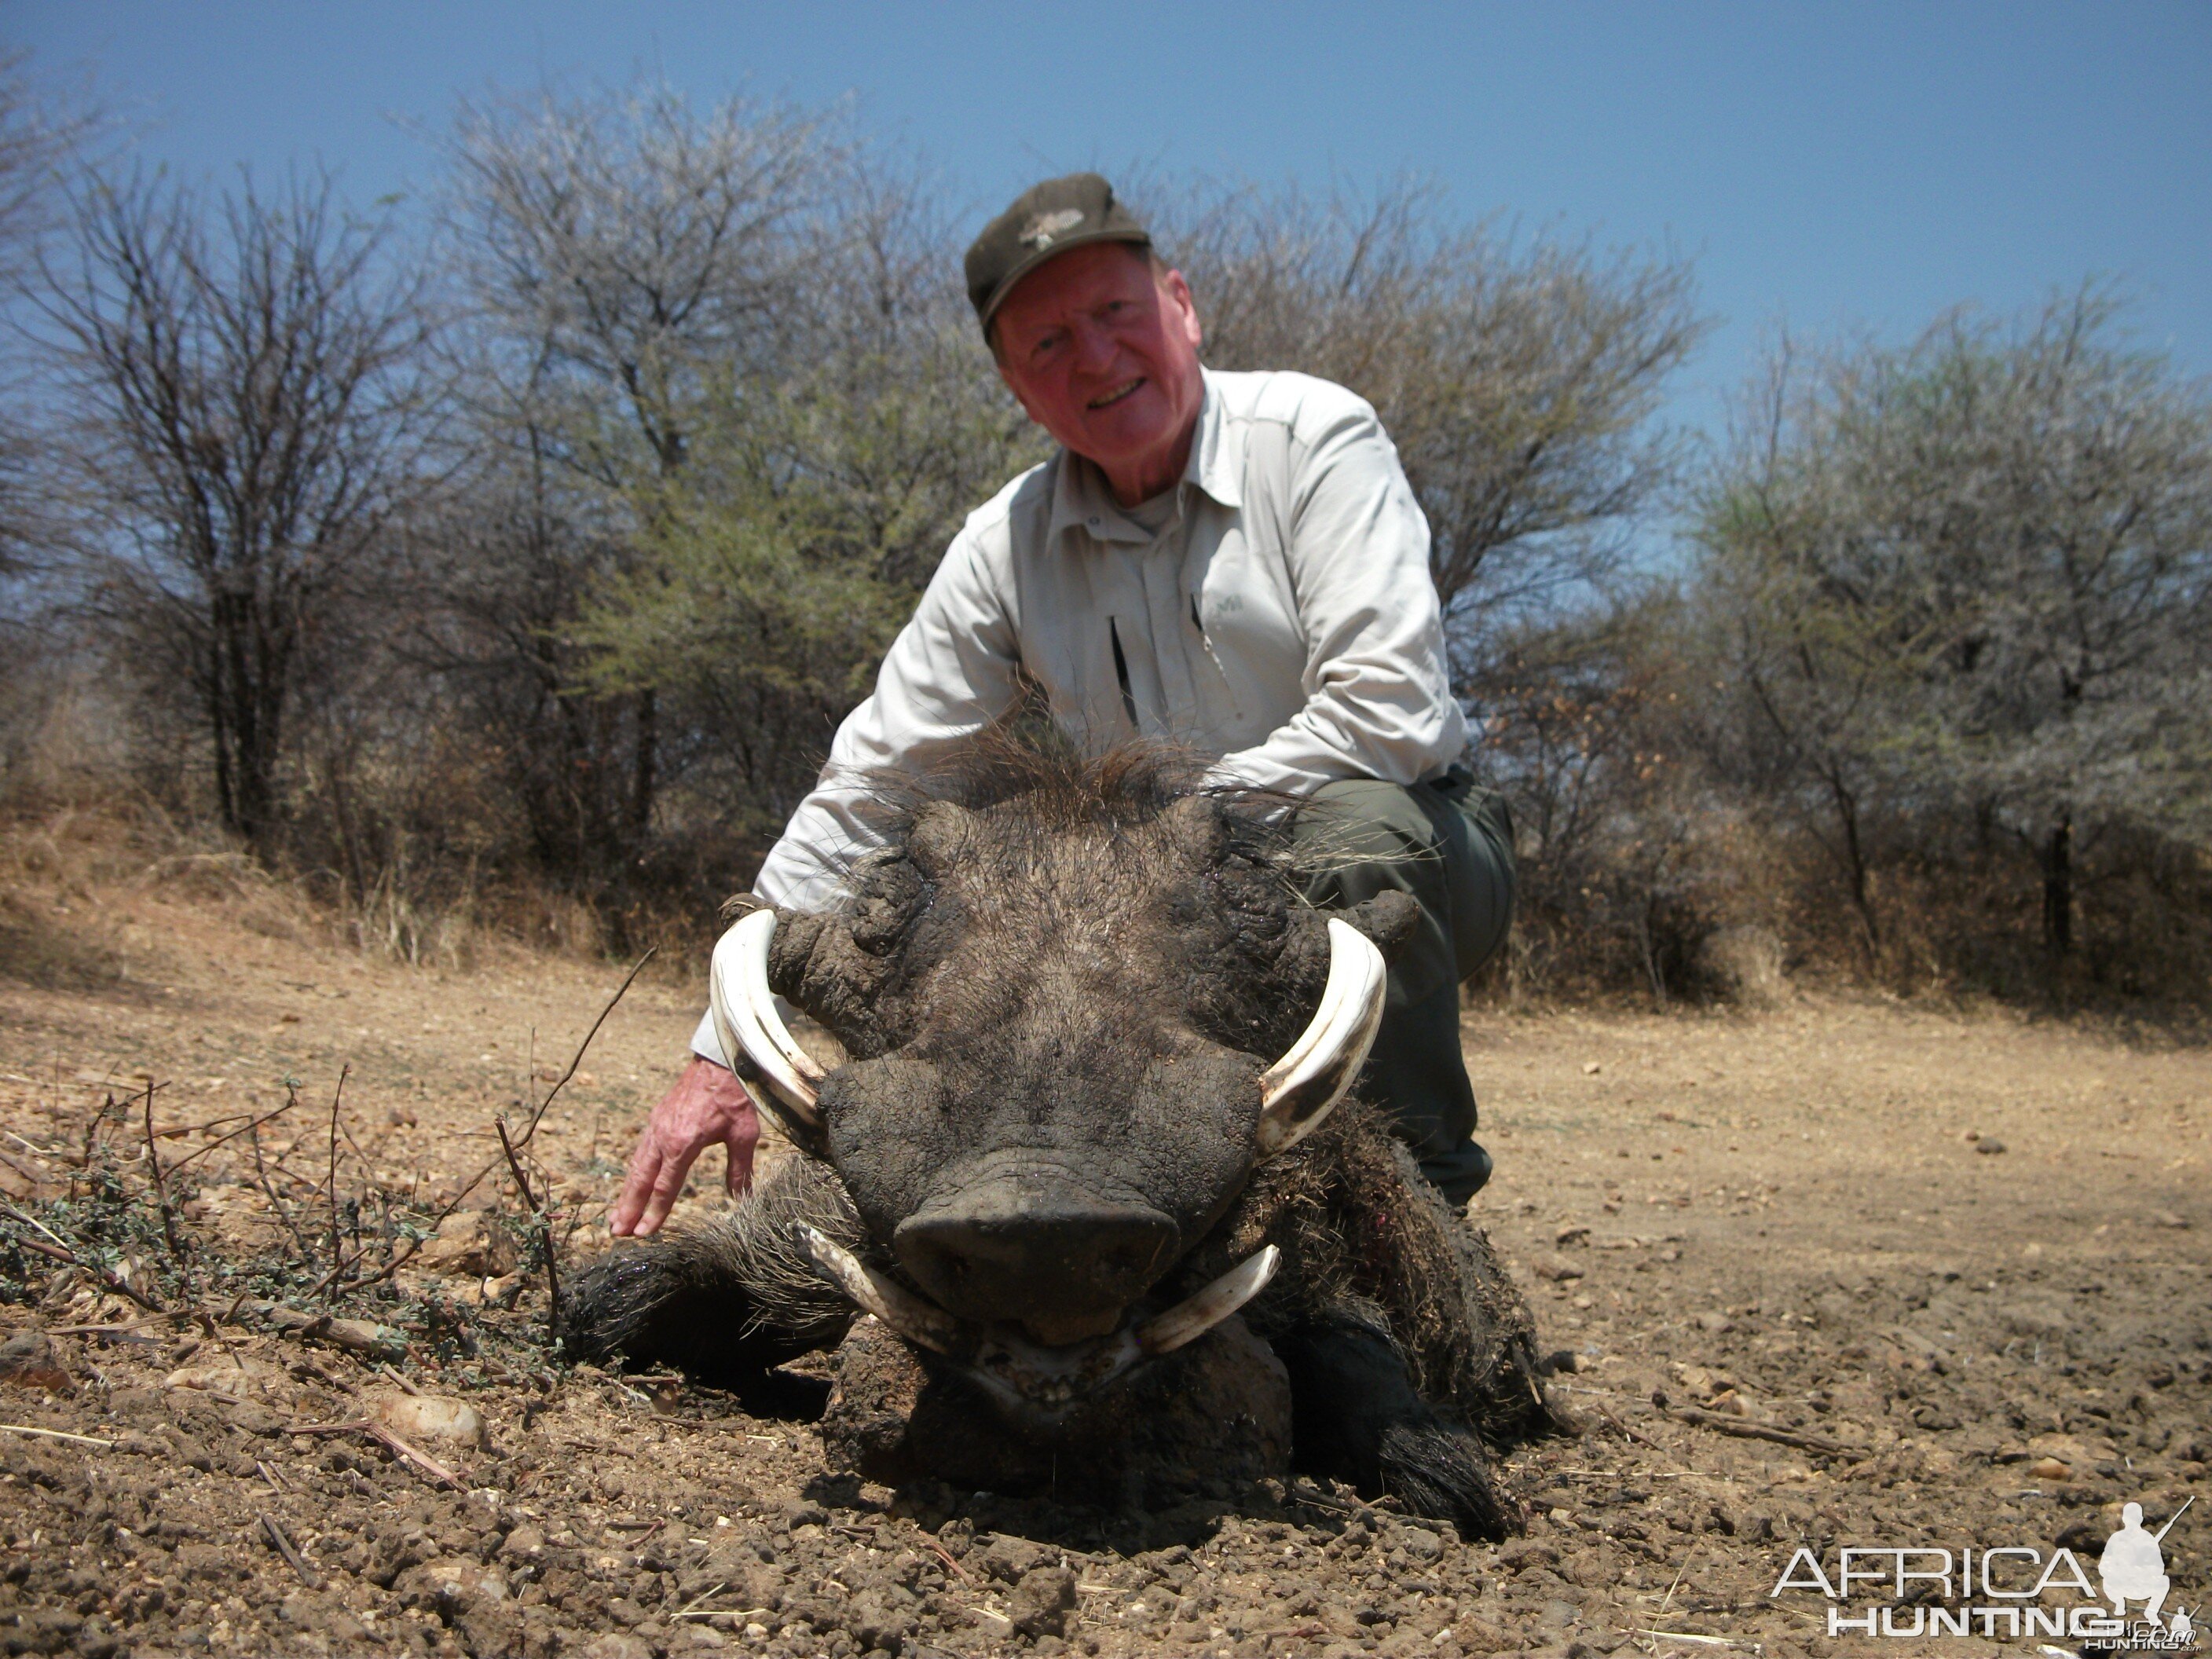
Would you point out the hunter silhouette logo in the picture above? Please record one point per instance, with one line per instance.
(2133, 1567)
(2007, 1591)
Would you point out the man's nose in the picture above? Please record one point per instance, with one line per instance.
(1096, 349)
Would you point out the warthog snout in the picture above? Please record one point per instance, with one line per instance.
(1035, 1246)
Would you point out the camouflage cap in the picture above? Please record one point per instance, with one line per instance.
(1045, 221)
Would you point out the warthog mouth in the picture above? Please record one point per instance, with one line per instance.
(1041, 1384)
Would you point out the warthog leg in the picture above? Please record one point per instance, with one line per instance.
(1356, 1418)
(724, 1300)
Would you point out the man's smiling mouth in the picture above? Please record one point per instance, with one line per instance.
(1116, 394)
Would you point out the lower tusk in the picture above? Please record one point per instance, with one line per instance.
(885, 1298)
(1190, 1319)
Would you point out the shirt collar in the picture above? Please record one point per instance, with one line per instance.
(1082, 500)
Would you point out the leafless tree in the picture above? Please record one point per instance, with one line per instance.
(243, 373)
(1519, 376)
(1974, 575)
(620, 253)
(39, 141)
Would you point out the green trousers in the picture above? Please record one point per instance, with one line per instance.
(1448, 846)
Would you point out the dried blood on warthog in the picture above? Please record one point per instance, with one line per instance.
(1096, 1111)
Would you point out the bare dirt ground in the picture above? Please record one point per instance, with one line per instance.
(1951, 1267)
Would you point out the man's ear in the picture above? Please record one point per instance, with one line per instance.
(1176, 290)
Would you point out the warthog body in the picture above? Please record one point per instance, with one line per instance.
(1059, 989)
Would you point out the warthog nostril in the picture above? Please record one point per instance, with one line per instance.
(1062, 1267)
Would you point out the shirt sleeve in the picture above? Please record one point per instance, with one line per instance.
(952, 670)
(1379, 701)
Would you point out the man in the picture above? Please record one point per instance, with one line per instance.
(1231, 561)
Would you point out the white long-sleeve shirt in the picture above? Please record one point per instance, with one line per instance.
(1280, 617)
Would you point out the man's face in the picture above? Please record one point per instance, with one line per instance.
(1103, 354)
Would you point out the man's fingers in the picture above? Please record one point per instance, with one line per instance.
(644, 1165)
(739, 1175)
(667, 1185)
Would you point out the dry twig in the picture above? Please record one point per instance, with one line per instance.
(375, 1431)
(545, 1227)
(1744, 1428)
(220, 1140)
(338, 1095)
(58, 1252)
(161, 1189)
(577, 1059)
(309, 1575)
(56, 1434)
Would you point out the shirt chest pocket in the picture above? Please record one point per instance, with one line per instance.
(1243, 607)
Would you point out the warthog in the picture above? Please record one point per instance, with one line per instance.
(1094, 1103)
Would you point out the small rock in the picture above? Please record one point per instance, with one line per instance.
(1573, 1233)
(28, 1360)
(1557, 1269)
(524, 1543)
(1989, 1145)
(2030, 1317)
(618, 1644)
(1713, 1322)
(235, 1377)
(1591, 1068)
(452, 1584)
(1528, 1553)
(430, 1417)
(1040, 1604)
(1421, 1544)
(468, 1242)
(2168, 1219)
(2050, 1469)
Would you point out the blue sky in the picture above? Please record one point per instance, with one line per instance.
(1825, 166)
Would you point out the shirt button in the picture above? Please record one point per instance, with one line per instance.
(1094, 521)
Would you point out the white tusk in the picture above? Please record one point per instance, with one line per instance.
(885, 1298)
(745, 1018)
(1192, 1318)
(1299, 1090)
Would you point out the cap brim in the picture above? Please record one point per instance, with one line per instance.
(1045, 255)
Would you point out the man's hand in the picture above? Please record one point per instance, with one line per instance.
(708, 1104)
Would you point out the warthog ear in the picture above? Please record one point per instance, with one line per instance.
(1197, 826)
(940, 836)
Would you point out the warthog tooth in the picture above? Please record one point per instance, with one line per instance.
(873, 1292)
(1196, 1316)
(745, 1020)
(1298, 1092)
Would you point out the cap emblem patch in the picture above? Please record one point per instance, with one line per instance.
(1040, 231)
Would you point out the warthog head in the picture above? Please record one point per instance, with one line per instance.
(1080, 1004)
